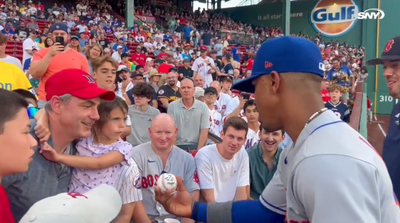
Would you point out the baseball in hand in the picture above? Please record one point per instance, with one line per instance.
(166, 181)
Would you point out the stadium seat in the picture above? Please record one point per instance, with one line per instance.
(193, 152)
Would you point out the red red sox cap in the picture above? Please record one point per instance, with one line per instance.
(76, 83)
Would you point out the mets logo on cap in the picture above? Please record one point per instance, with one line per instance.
(334, 18)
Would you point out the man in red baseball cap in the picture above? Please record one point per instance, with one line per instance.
(76, 96)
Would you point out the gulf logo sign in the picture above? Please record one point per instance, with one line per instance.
(334, 18)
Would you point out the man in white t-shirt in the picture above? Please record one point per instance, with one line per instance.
(7, 58)
(28, 44)
(223, 169)
(202, 65)
(117, 54)
(81, 27)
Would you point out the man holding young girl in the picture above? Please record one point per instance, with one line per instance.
(72, 111)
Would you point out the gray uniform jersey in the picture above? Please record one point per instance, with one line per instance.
(180, 163)
(331, 175)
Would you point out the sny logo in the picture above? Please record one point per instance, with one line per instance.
(373, 13)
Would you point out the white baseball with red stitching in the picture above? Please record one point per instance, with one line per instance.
(167, 181)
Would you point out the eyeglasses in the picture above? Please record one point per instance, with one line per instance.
(32, 112)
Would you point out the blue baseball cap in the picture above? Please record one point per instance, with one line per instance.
(284, 55)
(59, 26)
(74, 37)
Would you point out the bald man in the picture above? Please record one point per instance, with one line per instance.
(224, 104)
(161, 156)
(198, 81)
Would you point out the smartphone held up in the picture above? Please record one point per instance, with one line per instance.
(60, 40)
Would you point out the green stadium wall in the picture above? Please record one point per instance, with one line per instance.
(270, 14)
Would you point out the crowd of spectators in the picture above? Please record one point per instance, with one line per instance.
(184, 68)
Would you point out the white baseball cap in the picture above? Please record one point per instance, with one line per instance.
(122, 67)
(198, 92)
(99, 205)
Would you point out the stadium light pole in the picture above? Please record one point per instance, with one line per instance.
(286, 17)
(130, 13)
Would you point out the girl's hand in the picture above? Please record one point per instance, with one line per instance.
(49, 153)
(42, 130)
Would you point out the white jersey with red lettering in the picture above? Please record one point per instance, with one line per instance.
(202, 69)
(180, 163)
(215, 122)
(224, 104)
(323, 179)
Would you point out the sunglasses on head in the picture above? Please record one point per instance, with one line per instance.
(32, 112)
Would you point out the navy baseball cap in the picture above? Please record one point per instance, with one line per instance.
(284, 55)
(59, 26)
(74, 37)
(391, 52)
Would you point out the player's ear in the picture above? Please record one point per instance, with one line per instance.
(222, 135)
(275, 81)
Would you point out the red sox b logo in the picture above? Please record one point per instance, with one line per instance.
(89, 78)
(388, 46)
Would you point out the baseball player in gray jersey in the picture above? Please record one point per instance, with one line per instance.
(330, 174)
(161, 156)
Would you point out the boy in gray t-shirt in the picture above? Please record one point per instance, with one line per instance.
(141, 113)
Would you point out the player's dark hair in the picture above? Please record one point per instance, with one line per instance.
(248, 103)
(237, 123)
(11, 103)
(104, 111)
(143, 90)
(261, 128)
(26, 94)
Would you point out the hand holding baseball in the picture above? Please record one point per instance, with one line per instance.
(166, 182)
(179, 202)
